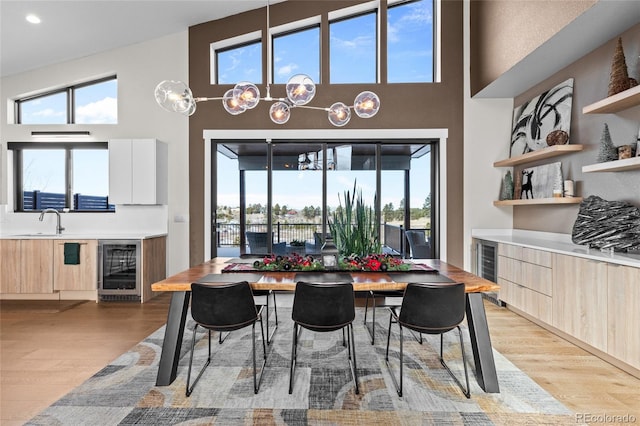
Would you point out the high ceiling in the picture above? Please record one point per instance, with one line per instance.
(74, 29)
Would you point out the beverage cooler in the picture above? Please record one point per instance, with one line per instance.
(119, 270)
(484, 260)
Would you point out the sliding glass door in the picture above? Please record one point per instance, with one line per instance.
(279, 196)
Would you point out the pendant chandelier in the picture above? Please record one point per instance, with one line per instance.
(176, 96)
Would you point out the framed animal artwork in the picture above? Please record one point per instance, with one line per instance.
(540, 181)
(543, 121)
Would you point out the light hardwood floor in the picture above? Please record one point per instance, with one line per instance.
(48, 350)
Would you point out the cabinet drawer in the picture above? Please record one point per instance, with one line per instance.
(537, 278)
(531, 302)
(509, 269)
(538, 257)
(510, 250)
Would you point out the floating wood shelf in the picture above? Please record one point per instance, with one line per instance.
(529, 202)
(613, 166)
(541, 154)
(618, 102)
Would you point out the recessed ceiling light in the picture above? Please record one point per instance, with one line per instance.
(33, 19)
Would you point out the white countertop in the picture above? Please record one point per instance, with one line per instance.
(80, 236)
(556, 243)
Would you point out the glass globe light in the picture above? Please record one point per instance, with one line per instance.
(300, 89)
(247, 94)
(175, 96)
(280, 112)
(339, 114)
(366, 104)
(231, 104)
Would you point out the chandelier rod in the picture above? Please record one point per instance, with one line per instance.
(269, 69)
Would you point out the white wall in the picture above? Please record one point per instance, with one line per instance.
(139, 68)
(487, 132)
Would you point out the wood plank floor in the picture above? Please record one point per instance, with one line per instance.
(47, 349)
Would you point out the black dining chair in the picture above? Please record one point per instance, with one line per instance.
(431, 309)
(324, 307)
(225, 308)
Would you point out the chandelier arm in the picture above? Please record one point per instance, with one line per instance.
(310, 107)
(207, 99)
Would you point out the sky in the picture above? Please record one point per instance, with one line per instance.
(300, 188)
(352, 60)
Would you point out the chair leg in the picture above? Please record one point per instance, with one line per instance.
(275, 311)
(386, 358)
(373, 308)
(467, 391)
(223, 336)
(189, 390)
(258, 381)
(294, 353)
(352, 362)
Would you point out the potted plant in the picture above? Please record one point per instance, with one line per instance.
(353, 226)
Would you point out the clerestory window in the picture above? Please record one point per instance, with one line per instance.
(93, 102)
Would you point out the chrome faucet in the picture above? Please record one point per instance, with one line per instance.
(59, 227)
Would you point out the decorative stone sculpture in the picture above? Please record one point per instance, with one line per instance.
(607, 224)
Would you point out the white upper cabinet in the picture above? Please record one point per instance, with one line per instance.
(138, 171)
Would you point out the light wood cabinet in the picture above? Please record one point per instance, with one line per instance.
(580, 299)
(138, 171)
(623, 334)
(84, 275)
(37, 266)
(526, 280)
(154, 265)
(26, 266)
(10, 256)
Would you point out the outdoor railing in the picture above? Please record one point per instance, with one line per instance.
(38, 200)
(228, 234)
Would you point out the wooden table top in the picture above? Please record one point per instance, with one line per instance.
(362, 281)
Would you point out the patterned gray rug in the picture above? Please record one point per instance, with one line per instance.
(124, 392)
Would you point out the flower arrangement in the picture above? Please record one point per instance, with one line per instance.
(296, 262)
(292, 262)
(373, 262)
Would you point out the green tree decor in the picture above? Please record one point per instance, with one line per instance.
(607, 151)
(353, 227)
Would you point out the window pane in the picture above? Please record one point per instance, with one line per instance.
(51, 109)
(240, 64)
(43, 178)
(90, 172)
(352, 50)
(97, 103)
(297, 53)
(420, 195)
(410, 43)
(297, 198)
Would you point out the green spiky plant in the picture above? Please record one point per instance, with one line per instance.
(353, 227)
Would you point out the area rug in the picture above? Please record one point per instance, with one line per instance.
(124, 392)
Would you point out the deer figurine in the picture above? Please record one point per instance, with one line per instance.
(527, 187)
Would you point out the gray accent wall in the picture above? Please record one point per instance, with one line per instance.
(591, 74)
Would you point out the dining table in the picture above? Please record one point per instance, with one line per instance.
(211, 272)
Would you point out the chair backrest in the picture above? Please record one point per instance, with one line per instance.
(420, 247)
(323, 306)
(257, 242)
(223, 307)
(432, 308)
